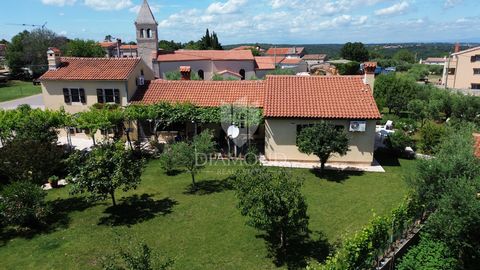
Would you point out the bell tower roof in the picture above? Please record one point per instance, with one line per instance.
(145, 15)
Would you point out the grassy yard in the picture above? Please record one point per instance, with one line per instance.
(201, 230)
(18, 89)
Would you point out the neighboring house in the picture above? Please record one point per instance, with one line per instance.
(462, 70)
(248, 47)
(206, 63)
(77, 83)
(298, 52)
(127, 50)
(289, 103)
(114, 49)
(440, 61)
(266, 64)
(294, 63)
(314, 59)
(109, 47)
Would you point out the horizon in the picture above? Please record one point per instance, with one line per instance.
(247, 21)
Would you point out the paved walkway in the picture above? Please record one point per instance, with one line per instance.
(35, 101)
(375, 167)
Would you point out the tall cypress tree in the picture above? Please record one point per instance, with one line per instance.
(208, 40)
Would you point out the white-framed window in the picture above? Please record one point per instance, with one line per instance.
(475, 86)
(108, 95)
(74, 95)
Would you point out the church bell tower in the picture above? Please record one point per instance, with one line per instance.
(147, 34)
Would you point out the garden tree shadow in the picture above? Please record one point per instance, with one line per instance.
(338, 176)
(136, 209)
(299, 250)
(58, 219)
(174, 172)
(386, 158)
(207, 187)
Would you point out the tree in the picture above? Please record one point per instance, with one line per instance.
(431, 136)
(354, 51)
(428, 255)
(170, 45)
(351, 68)
(404, 55)
(84, 48)
(105, 169)
(194, 155)
(14, 54)
(108, 38)
(322, 139)
(282, 71)
(398, 141)
(418, 110)
(23, 204)
(273, 202)
(395, 92)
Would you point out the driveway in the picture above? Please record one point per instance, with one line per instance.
(35, 101)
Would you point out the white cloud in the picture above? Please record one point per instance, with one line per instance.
(398, 8)
(60, 3)
(231, 6)
(108, 4)
(451, 3)
(63, 33)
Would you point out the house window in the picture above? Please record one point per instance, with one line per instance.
(242, 73)
(142, 33)
(108, 96)
(201, 74)
(476, 71)
(149, 33)
(475, 58)
(74, 95)
(476, 86)
(451, 71)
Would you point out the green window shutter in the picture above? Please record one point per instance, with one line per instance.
(66, 96)
(100, 98)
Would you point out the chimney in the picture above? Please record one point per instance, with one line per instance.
(53, 57)
(185, 72)
(369, 76)
(457, 47)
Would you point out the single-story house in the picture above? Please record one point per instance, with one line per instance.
(286, 52)
(314, 59)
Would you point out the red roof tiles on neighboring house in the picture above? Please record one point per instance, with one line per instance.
(285, 51)
(128, 47)
(104, 69)
(314, 57)
(328, 97)
(291, 61)
(267, 62)
(202, 93)
(107, 44)
(214, 55)
(476, 138)
(345, 97)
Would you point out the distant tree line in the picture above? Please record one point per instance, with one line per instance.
(206, 42)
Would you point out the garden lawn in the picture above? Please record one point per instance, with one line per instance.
(199, 231)
(18, 89)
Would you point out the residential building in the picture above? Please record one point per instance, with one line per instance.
(78, 83)
(298, 52)
(294, 63)
(110, 48)
(440, 61)
(289, 103)
(314, 59)
(462, 70)
(266, 64)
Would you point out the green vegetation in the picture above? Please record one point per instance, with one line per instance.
(355, 51)
(84, 48)
(200, 229)
(18, 89)
(206, 42)
(428, 255)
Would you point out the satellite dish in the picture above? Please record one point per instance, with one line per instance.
(233, 131)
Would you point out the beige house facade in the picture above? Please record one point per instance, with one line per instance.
(462, 71)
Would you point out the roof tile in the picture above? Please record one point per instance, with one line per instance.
(214, 55)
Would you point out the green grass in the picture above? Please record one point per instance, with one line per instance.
(18, 89)
(200, 231)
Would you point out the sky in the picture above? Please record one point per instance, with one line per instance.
(250, 21)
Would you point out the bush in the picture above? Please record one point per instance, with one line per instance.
(398, 141)
(168, 160)
(251, 157)
(427, 255)
(431, 136)
(23, 204)
(141, 257)
(351, 68)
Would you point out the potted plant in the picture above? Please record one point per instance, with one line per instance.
(53, 181)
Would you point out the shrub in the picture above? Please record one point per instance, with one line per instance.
(140, 257)
(398, 141)
(251, 157)
(168, 160)
(427, 255)
(23, 204)
(431, 136)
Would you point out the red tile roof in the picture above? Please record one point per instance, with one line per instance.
(285, 51)
(55, 50)
(107, 44)
(476, 138)
(370, 64)
(104, 69)
(340, 97)
(214, 55)
(128, 47)
(267, 62)
(291, 61)
(202, 93)
(244, 47)
(345, 97)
